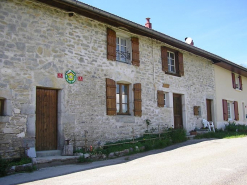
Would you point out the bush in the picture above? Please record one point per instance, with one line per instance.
(178, 136)
(3, 167)
(20, 161)
(233, 127)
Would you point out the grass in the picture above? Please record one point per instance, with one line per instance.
(6, 164)
(20, 161)
(150, 142)
(221, 135)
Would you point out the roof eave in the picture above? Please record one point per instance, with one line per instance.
(111, 19)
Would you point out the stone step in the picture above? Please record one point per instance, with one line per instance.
(190, 136)
(48, 153)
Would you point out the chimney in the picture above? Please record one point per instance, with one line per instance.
(189, 41)
(148, 24)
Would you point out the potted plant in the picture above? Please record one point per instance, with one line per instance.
(193, 132)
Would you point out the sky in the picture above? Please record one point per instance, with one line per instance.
(217, 26)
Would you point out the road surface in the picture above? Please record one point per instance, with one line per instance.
(204, 162)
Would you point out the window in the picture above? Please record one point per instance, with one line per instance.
(237, 81)
(171, 62)
(122, 47)
(1, 107)
(229, 110)
(122, 53)
(122, 98)
(164, 99)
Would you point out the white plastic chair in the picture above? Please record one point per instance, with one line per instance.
(208, 124)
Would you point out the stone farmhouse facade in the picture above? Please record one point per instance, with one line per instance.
(70, 71)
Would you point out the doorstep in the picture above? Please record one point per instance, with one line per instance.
(48, 161)
(190, 136)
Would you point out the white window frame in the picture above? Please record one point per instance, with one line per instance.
(166, 99)
(119, 45)
(237, 82)
(169, 59)
(230, 110)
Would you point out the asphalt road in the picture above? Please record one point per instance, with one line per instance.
(216, 162)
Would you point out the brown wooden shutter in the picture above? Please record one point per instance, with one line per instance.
(164, 59)
(160, 98)
(240, 83)
(137, 99)
(180, 64)
(196, 110)
(135, 51)
(236, 110)
(110, 97)
(111, 44)
(225, 111)
(233, 81)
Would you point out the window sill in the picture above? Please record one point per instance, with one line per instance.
(129, 63)
(123, 114)
(238, 90)
(173, 74)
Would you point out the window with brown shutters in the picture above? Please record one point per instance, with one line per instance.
(135, 51)
(110, 97)
(240, 83)
(137, 100)
(225, 110)
(111, 44)
(160, 98)
(237, 82)
(236, 110)
(172, 61)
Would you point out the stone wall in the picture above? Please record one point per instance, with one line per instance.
(37, 42)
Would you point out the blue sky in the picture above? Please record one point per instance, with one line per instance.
(217, 26)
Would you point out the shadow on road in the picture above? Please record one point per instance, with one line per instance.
(56, 171)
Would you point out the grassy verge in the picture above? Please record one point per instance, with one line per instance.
(145, 143)
(221, 135)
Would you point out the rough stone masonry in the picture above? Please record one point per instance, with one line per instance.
(38, 41)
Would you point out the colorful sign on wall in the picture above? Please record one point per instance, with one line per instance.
(70, 76)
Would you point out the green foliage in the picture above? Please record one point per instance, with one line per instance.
(148, 122)
(80, 151)
(5, 164)
(20, 161)
(30, 169)
(221, 135)
(82, 159)
(233, 127)
(178, 135)
(3, 167)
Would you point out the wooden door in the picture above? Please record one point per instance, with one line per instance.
(177, 109)
(46, 119)
(209, 109)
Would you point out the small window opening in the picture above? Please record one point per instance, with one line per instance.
(2, 106)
